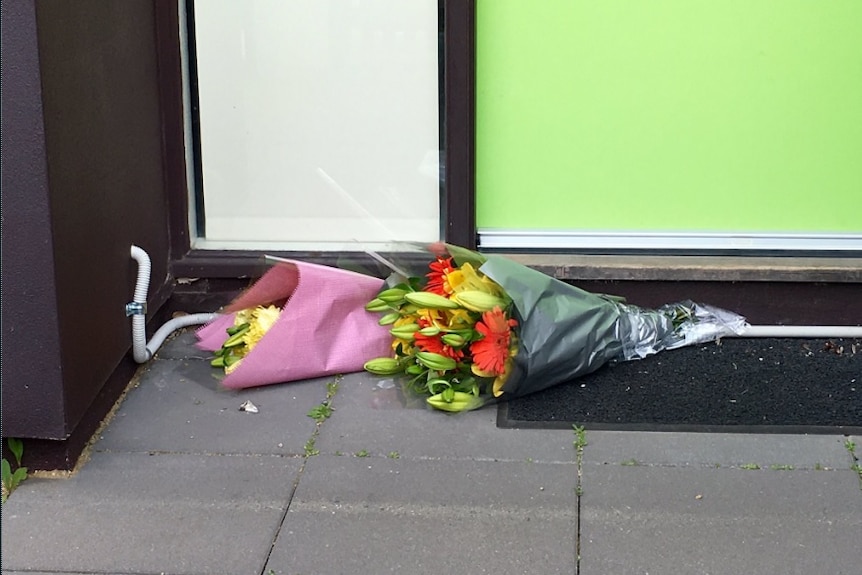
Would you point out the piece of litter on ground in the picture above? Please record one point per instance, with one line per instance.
(249, 407)
(698, 496)
(385, 384)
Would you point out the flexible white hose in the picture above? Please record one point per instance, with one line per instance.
(171, 326)
(812, 331)
(141, 350)
(144, 268)
(139, 334)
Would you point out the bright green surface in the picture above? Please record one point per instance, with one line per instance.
(673, 115)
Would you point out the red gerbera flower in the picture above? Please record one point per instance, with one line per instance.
(490, 352)
(437, 282)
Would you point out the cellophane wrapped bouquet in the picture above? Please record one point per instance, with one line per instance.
(476, 328)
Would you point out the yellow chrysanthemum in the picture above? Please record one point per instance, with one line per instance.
(229, 368)
(243, 316)
(262, 319)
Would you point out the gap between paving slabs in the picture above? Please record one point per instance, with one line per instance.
(320, 413)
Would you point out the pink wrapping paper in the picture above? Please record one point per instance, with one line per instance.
(322, 330)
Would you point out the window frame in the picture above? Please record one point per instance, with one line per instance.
(457, 137)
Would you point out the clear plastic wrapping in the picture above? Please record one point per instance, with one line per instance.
(644, 332)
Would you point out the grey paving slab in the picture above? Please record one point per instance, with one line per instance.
(180, 406)
(181, 345)
(134, 513)
(711, 449)
(489, 484)
(687, 521)
(380, 515)
(370, 541)
(373, 416)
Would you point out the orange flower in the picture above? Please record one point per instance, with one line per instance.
(491, 352)
(437, 279)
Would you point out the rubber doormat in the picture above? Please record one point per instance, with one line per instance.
(735, 385)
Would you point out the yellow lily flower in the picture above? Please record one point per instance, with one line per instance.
(467, 278)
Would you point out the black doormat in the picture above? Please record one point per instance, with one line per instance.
(744, 385)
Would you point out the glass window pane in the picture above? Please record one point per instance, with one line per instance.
(319, 122)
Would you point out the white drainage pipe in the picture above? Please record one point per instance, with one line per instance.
(137, 309)
(810, 331)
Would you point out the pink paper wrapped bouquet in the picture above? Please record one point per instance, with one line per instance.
(298, 321)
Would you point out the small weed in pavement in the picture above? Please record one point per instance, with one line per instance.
(310, 450)
(321, 413)
(579, 443)
(12, 479)
(850, 446)
(779, 467)
(630, 463)
(393, 455)
(750, 466)
(362, 453)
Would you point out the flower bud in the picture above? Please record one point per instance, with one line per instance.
(453, 340)
(479, 301)
(429, 331)
(404, 332)
(392, 295)
(382, 366)
(377, 304)
(428, 300)
(435, 361)
(460, 401)
(389, 318)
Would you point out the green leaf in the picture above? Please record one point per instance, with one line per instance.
(6, 472)
(19, 475)
(321, 412)
(17, 448)
(416, 283)
(437, 385)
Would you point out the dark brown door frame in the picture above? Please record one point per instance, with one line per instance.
(457, 136)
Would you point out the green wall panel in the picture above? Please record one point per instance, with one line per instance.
(670, 115)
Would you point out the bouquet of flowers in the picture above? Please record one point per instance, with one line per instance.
(247, 329)
(298, 321)
(476, 328)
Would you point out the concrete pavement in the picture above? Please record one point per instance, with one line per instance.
(183, 482)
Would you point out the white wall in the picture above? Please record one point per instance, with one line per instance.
(318, 122)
